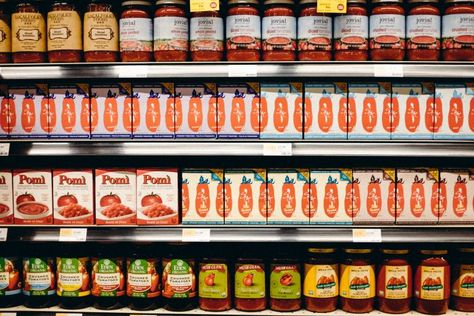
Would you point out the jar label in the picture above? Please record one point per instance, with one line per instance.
(5, 37)
(29, 29)
(213, 280)
(100, 32)
(279, 33)
(136, 34)
(249, 281)
(315, 33)
(73, 277)
(39, 280)
(64, 31)
(9, 276)
(430, 285)
(423, 31)
(357, 282)
(142, 278)
(171, 33)
(178, 280)
(395, 282)
(107, 278)
(243, 32)
(458, 31)
(351, 32)
(387, 31)
(321, 280)
(464, 285)
(285, 282)
(207, 33)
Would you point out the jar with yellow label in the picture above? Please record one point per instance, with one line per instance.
(357, 275)
(463, 281)
(5, 33)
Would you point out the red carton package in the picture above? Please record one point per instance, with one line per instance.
(456, 198)
(6, 197)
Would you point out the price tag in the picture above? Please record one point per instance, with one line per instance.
(68, 314)
(196, 234)
(7, 314)
(366, 235)
(277, 149)
(3, 234)
(4, 149)
(242, 70)
(133, 72)
(204, 5)
(388, 71)
(332, 6)
(73, 234)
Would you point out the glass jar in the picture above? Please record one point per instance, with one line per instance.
(394, 282)
(387, 30)
(64, 33)
(171, 34)
(463, 281)
(285, 284)
(143, 280)
(5, 33)
(136, 32)
(214, 285)
(279, 31)
(249, 285)
(243, 34)
(423, 30)
(206, 36)
(321, 281)
(29, 27)
(351, 32)
(357, 277)
(100, 33)
(458, 30)
(39, 282)
(432, 282)
(314, 33)
(108, 279)
(11, 269)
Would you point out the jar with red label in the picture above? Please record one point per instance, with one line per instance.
(5, 33)
(29, 27)
(285, 284)
(136, 32)
(351, 32)
(387, 30)
(463, 281)
(423, 30)
(458, 30)
(279, 31)
(249, 285)
(394, 282)
(143, 280)
(432, 282)
(214, 285)
(206, 36)
(314, 33)
(243, 34)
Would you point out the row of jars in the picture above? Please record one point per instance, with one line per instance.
(391, 31)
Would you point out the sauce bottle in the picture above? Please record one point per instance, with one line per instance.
(458, 32)
(206, 36)
(5, 33)
(136, 32)
(10, 285)
(463, 280)
(249, 285)
(214, 284)
(285, 284)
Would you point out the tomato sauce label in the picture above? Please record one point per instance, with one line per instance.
(464, 284)
(143, 280)
(107, 278)
(243, 32)
(314, 33)
(6, 197)
(136, 34)
(321, 280)
(357, 282)
(10, 283)
(213, 280)
(5, 37)
(458, 31)
(249, 281)
(29, 30)
(351, 32)
(423, 31)
(285, 282)
(179, 279)
(455, 193)
(279, 33)
(206, 33)
(64, 30)
(387, 31)
(395, 282)
(73, 277)
(38, 277)
(170, 33)
(101, 32)
(431, 283)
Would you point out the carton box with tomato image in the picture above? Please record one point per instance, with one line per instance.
(32, 197)
(203, 196)
(115, 196)
(6, 197)
(456, 196)
(248, 197)
(73, 197)
(7, 112)
(157, 197)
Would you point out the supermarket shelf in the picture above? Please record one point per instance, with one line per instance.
(242, 70)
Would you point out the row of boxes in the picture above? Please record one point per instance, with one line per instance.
(379, 110)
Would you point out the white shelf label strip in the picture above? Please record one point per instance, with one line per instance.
(366, 235)
(196, 234)
(242, 70)
(4, 149)
(3, 234)
(73, 234)
(278, 149)
(388, 71)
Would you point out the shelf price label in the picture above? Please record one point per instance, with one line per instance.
(4, 149)
(366, 235)
(242, 71)
(73, 234)
(196, 234)
(277, 149)
(204, 5)
(3, 234)
(332, 6)
(7, 314)
(389, 71)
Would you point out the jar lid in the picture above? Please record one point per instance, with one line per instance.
(267, 2)
(466, 249)
(136, 2)
(321, 250)
(243, 2)
(456, 1)
(357, 251)
(422, 1)
(357, 1)
(387, 1)
(434, 252)
(395, 251)
(177, 2)
(308, 1)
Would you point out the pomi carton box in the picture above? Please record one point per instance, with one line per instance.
(7, 112)
(456, 196)
(6, 197)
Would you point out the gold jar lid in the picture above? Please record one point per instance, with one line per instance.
(395, 251)
(268, 2)
(357, 251)
(434, 252)
(321, 250)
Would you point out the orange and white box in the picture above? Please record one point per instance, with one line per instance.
(417, 196)
(7, 112)
(6, 197)
(156, 117)
(324, 111)
(71, 107)
(372, 116)
(196, 111)
(330, 202)
(33, 197)
(456, 196)
(111, 111)
(282, 111)
(157, 197)
(115, 196)
(247, 190)
(412, 110)
(371, 190)
(290, 195)
(457, 103)
(73, 197)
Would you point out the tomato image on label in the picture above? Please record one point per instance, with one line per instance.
(153, 114)
(8, 114)
(68, 112)
(270, 197)
(352, 198)
(331, 197)
(396, 199)
(412, 112)
(216, 113)
(94, 113)
(245, 197)
(151, 199)
(369, 113)
(26, 197)
(28, 113)
(174, 113)
(325, 113)
(438, 198)
(417, 197)
(109, 199)
(288, 197)
(309, 200)
(280, 114)
(460, 197)
(203, 202)
(185, 197)
(437, 116)
(111, 112)
(131, 113)
(390, 114)
(343, 115)
(298, 114)
(456, 113)
(259, 114)
(374, 197)
(47, 114)
(249, 281)
(66, 200)
(213, 280)
(195, 112)
(237, 113)
(262, 199)
(224, 198)
(85, 114)
(471, 114)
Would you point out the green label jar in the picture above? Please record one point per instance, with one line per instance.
(142, 278)
(213, 280)
(179, 280)
(38, 277)
(107, 277)
(249, 281)
(73, 277)
(9, 276)
(285, 281)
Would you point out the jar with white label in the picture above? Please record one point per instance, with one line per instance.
(5, 33)
(458, 30)
(136, 32)
(206, 36)
(423, 30)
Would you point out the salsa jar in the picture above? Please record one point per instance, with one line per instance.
(143, 281)
(321, 280)
(249, 285)
(108, 281)
(463, 281)
(458, 30)
(101, 33)
(387, 30)
(171, 31)
(29, 27)
(5, 33)
(214, 285)
(10, 284)
(64, 33)
(432, 282)
(394, 282)
(285, 285)
(39, 282)
(243, 33)
(314, 33)
(206, 36)
(136, 32)
(357, 287)
(423, 30)
(279, 31)
(74, 281)
(351, 32)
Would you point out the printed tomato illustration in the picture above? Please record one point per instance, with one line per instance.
(248, 280)
(195, 112)
(202, 202)
(351, 114)
(387, 116)
(174, 113)
(185, 196)
(346, 116)
(67, 199)
(220, 199)
(412, 112)
(152, 114)
(8, 114)
(209, 279)
(331, 197)
(286, 279)
(85, 114)
(94, 113)
(325, 113)
(150, 199)
(396, 198)
(438, 198)
(309, 201)
(27, 197)
(471, 114)
(298, 114)
(456, 113)
(437, 114)
(270, 198)
(262, 199)
(308, 114)
(280, 114)
(111, 112)
(460, 197)
(417, 197)
(237, 112)
(352, 198)
(288, 197)
(68, 113)
(127, 113)
(110, 199)
(28, 115)
(216, 113)
(374, 197)
(47, 114)
(245, 197)
(369, 113)
(259, 114)
(227, 198)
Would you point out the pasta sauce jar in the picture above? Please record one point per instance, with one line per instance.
(39, 281)
(432, 282)
(463, 281)
(206, 36)
(387, 30)
(136, 32)
(279, 31)
(243, 34)
(214, 285)
(143, 281)
(5, 33)
(285, 285)
(10, 285)
(74, 281)
(108, 281)
(351, 32)
(458, 30)
(249, 285)
(423, 30)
